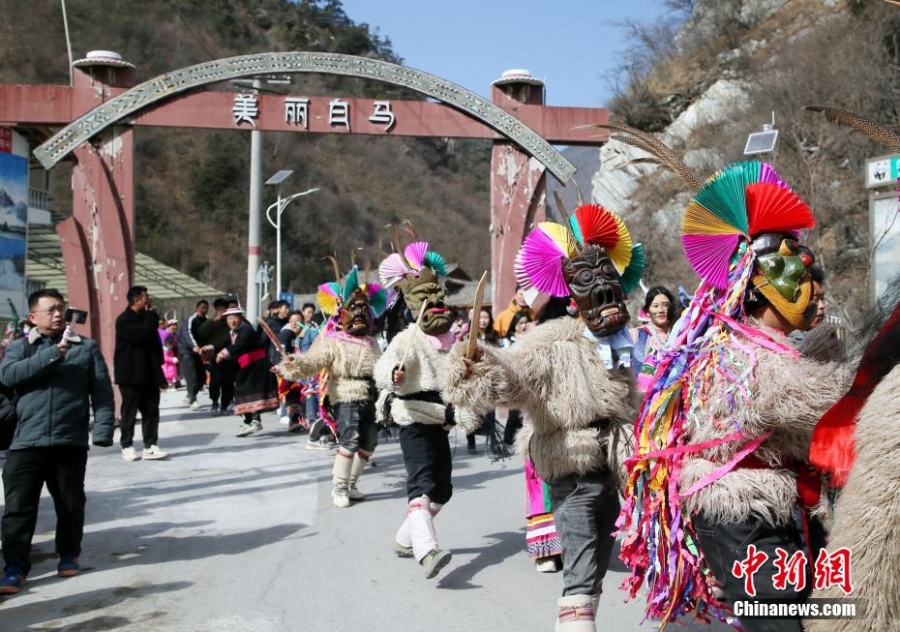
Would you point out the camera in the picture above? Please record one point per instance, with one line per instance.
(76, 316)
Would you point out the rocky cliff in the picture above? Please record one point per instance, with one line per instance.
(733, 66)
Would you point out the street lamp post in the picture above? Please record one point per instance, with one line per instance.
(277, 180)
(253, 229)
(256, 184)
(280, 205)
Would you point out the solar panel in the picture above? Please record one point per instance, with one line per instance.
(761, 142)
(280, 177)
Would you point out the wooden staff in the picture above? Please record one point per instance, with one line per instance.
(271, 335)
(476, 310)
(412, 338)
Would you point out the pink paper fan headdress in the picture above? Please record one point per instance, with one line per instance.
(734, 206)
(414, 258)
(546, 249)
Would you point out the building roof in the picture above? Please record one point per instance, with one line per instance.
(45, 264)
(462, 294)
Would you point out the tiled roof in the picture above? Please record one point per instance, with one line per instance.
(45, 264)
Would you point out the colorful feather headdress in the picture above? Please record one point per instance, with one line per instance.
(539, 263)
(332, 295)
(738, 203)
(416, 256)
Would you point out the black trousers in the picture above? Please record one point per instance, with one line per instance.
(221, 382)
(24, 475)
(193, 372)
(725, 544)
(143, 398)
(426, 455)
(513, 425)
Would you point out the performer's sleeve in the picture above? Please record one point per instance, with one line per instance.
(296, 366)
(796, 392)
(483, 385)
(391, 358)
(384, 380)
(467, 420)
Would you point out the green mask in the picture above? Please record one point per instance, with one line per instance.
(427, 288)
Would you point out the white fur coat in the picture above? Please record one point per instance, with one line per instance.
(425, 369)
(348, 363)
(555, 376)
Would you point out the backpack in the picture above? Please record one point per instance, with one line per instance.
(8, 401)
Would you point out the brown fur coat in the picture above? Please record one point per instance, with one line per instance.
(867, 517)
(348, 364)
(554, 375)
(786, 397)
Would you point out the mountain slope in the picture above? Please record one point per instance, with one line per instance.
(191, 186)
(734, 65)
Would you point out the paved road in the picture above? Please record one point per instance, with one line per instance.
(239, 534)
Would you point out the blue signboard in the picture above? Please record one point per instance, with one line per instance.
(287, 296)
(13, 231)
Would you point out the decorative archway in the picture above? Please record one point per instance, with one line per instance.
(100, 111)
(165, 86)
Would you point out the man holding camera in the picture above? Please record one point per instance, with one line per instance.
(58, 379)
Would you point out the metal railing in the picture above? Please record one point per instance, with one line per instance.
(39, 199)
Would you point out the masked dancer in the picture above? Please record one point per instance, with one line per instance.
(719, 487)
(572, 378)
(411, 376)
(347, 351)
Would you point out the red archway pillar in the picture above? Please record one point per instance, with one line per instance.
(518, 189)
(98, 240)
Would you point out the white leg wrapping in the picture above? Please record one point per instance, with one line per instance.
(340, 472)
(421, 527)
(575, 613)
(359, 464)
(341, 480)
(402, 536)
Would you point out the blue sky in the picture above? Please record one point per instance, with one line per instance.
(571, 44)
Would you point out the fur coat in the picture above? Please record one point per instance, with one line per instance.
(425, 370)
(555, 376)
(867, 517)
(785, 396)
(349, 361)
